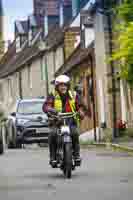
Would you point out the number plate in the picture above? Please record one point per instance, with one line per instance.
(42, 130)
(67, 139)
(65, 129)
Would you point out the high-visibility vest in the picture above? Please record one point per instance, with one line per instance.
(58, 103)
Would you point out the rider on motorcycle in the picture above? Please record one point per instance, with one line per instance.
(64, 100)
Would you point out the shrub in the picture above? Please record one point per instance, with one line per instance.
(129, 132)
(107, 135)
(87, 142)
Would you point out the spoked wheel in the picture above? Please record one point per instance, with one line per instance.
(68, 160)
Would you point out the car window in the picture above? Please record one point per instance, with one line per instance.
(30, 108)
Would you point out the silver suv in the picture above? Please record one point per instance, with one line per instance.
(28, 124)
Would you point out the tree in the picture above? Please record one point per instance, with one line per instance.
(125, 41)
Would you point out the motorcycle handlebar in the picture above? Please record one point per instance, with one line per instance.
(65, 115)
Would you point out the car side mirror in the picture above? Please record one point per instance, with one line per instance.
(13, 114)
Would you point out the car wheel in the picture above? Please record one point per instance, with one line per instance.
(1, 142)
(18, 145)
(11, 136)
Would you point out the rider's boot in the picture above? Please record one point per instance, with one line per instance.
(77, 160)
(52, 151)
(76, 148)
(53, 161)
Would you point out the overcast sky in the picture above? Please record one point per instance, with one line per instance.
(15, 9)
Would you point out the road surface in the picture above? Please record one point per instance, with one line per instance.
(26, 175)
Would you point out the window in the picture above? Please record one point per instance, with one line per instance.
(30, 107)
(18, 44)
(30, 36)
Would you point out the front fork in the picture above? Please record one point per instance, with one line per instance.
(64, 140)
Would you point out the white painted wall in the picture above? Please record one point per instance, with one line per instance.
(101, 100)
(89, 36)
(38, 85)
(123, 103)
(59, 58)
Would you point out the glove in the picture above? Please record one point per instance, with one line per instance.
(52, 111)
(82, 114)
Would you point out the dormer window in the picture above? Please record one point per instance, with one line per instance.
(45, 25)
(32, 28)
(18, 44)
(20, 34)
(87, 29)
(30, 37)
(61, 14)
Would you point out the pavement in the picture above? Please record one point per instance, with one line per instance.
(88, 137)
(126, 144)
(104, 175)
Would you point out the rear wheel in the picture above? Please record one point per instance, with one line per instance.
(68, 160)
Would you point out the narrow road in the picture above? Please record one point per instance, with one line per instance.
(26, 175)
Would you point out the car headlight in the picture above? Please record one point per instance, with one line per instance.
(21, 121)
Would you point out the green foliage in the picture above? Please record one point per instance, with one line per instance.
(125, 11)
(87, 142)
(109, 4)
(107, 135)
(124, 138)
(129, 132)
(125, 41)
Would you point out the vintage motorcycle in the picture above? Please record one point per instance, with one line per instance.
(64, 150)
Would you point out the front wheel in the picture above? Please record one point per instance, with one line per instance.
(68, 160)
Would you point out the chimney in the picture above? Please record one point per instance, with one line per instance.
(75, 7)
(32, 28)
(19, 31)
(61, 13)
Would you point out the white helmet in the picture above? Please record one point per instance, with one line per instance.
(62, 79)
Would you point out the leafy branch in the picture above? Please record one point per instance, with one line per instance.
(124, 41)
